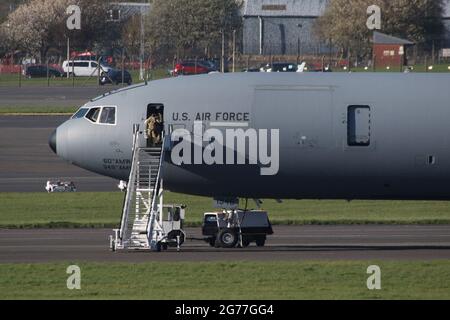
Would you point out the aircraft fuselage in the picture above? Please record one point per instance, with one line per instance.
(340, 136)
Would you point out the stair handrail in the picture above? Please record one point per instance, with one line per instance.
(131, 181)
(155, 191)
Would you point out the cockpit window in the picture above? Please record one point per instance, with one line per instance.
(108, 115)
(80, 113)
(93, 114)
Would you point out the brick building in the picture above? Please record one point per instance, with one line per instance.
(389, 51)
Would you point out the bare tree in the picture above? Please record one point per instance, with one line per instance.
(4, 42)
(178, 25)
(131, 35)
(33, 25)
(37, 25)
(344, 22)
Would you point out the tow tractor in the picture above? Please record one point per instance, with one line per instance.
(232, 228)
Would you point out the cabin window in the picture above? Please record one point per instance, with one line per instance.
(79, 64)
(358, 126)
(108, 115)
(93, 114)
(80, 113)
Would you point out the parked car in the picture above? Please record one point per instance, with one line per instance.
(324, 69)
(217, 63)
(115, 76)
(40, 71)
(280, 67)
(193, 67)
(251, 70)
(80, 68)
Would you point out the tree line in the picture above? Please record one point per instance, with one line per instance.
(38, 27)
(176, 28)
(344, 23)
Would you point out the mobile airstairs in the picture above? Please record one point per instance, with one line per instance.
(146, 223)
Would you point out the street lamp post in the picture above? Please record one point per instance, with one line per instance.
(142, 48)
(234, 50)
(300, 26)
(68, 54)
(222, 68)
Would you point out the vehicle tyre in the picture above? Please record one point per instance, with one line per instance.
(227, 238)
(260, 242)
(245, 242)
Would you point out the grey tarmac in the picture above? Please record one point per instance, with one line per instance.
(289, 243)
(26, 161)
(56, 96)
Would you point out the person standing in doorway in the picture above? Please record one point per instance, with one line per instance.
(150, 125)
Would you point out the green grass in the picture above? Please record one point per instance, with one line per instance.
(228, 280)
(12, 110)
(97, 209)
(13, 79)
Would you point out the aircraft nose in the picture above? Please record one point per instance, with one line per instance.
(52, 141)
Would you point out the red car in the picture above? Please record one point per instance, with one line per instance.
(191, 67)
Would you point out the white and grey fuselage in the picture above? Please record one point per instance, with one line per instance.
(341, 136)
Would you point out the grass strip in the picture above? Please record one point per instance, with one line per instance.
(103, 210)
(243, 280)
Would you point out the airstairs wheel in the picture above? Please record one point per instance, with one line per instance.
(227, 238)
(173, 236)
(158, 247)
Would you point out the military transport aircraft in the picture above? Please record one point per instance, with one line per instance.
(277, 135)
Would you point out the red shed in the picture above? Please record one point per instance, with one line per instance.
(389, 51)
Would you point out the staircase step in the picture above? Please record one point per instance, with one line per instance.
(140, 194)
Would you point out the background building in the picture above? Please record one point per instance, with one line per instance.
(282, 27)
(286, 27)
(389, 51)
